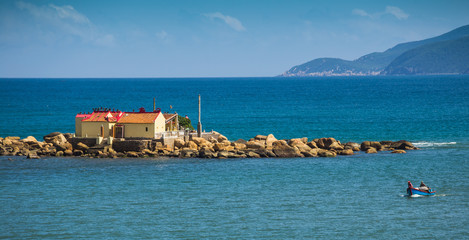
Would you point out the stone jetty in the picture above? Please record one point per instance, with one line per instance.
(214, 146)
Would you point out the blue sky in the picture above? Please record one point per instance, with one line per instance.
(87, 38)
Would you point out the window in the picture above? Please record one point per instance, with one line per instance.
(146, 129)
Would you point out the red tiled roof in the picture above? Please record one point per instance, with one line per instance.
(139, 117)
(103, 116)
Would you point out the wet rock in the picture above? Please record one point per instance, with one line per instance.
(398, 151)
(309, 154)
(77, 152)
(188, 153)
(251, 154)
(403, 145)
(32, 155)
(222, 154)
(207, 153)
(67, 153)
(370, 144)
(59, 154)
(81, 146)
(348, 151)
(326, 153)
(131, 154)
(371, 150)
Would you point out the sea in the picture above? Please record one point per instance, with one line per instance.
(348, 197)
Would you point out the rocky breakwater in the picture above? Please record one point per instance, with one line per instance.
(216, 146)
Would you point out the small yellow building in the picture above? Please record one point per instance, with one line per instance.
(118, 124)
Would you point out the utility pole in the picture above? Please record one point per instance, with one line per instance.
(199, 125)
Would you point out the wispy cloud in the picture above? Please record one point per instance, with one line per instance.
(67, 20)
(230, 21)
(395, 11)
(162, 35)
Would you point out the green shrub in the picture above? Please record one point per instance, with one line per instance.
(185, 122)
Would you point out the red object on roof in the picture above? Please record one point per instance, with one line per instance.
(120, 117)
(103, 116)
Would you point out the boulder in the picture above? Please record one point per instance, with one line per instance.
(251, 154)
(326, 153)
(81, 146)
(188, 153)
(179, 143)
(269, 140)
(221, 138)
(353, 146)
(312, 144)
(347, 151)
(77, 152)
(222, 154)
(255, 145)
(59, 154)
(403, 145)
(30, 140)
(370, 144)
(55, 136)
(283, 150)
(206, 153)
(212, 139)
(324, 143)
(260, 137)
(198, 140)
(336, 146)
(238, 146)
(241, 141)
(67, 152)
(12, 138)
(191, 145)
(398, 151)
(299, 143)
(371, 150)
(310, 154)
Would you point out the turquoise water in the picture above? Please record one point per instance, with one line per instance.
(361, 196)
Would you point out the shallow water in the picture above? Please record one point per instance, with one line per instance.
(361, 196)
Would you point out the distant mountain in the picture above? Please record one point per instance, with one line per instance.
(446, 57)
(378, 62)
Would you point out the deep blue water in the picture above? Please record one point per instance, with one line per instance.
(357, 197)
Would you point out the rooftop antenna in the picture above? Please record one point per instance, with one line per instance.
(199, 125)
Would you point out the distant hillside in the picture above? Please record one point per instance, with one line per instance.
(370, 64)
(446, 57)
